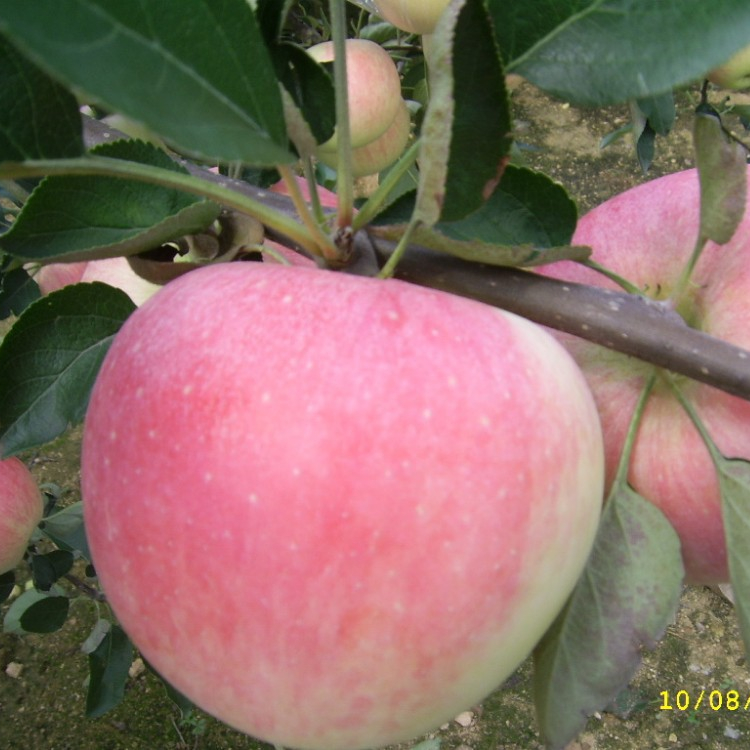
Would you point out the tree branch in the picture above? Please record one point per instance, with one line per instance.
(627, 323)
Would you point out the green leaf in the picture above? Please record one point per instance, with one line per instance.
(83, 217)
(17, 292)
(38, 118)
(310, 87)
(50, 358)
(108, 669)
(48, 568)
(521, 25)
(614, 50)
(722, 169)
(7, 584)
(65, 528)
(659, 111)
(466, 128)
(528, 220)
(197, 72)
(734, 480)
(622, 604)
(45, 616)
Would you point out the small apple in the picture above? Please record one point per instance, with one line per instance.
(113, 271)
(647, 235)
(374, 157)
(414, 16)
(735, 73)
(118, 273)
(55, 276)
(373, 89)
(335, 511)
(21, 509)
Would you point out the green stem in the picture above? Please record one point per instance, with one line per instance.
(683, 282)
(312, 188)
(106, 166)
(713, 449)
(344, 179)
(327, 248)
(388, 269)
(622, 282)
(374, 203)
(623, 466)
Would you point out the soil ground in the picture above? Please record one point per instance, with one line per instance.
(42, 678)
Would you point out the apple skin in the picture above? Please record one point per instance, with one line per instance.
(21, 509)
(647, 235)
(414, 16)
(735, 73)
(335, 511)
(113, 271)
(374, 157)
(373, 89)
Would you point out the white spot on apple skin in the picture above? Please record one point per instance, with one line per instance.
(485, 421)
(152, 434)
(252, 498)
(287, 299)
(208, 477)
(427, 414)
(187, 390)
(113, 436)
(265, 397)
(742, 355)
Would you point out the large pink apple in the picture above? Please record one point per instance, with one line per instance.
(647, 235)
(332, 510)
(21, 510)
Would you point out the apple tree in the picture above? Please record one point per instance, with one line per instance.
(185, 142)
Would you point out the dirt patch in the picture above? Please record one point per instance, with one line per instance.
(42, 678)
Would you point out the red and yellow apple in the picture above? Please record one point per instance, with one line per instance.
(647, 235)
(734, 73)
(335, 511)
(373, 89)
(414, 16)
(21, 509)
(374, 157)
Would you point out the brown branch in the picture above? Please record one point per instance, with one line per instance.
(624, 322)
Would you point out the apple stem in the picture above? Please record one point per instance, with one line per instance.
(683, 282)
(344, 179)
(403, 244)
(622, 282)
(312, 188)
(375, 202)
(321, 239)
(694, 418)
(621, 476)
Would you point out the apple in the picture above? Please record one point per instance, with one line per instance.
(113, 271)
(735, 73)
(374, 157)
(414, 16)
(21, 509)
(647, 235)
(118, 273)
(335, 511)
(373, 89)
(55, 276)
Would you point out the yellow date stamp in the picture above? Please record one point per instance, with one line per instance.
(712, 700)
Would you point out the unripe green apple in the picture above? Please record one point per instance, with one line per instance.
(647, 235)
(21, 508)
(336, 511)
(735, 73)
(382, 152)
(373, 89)
(414, 16)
